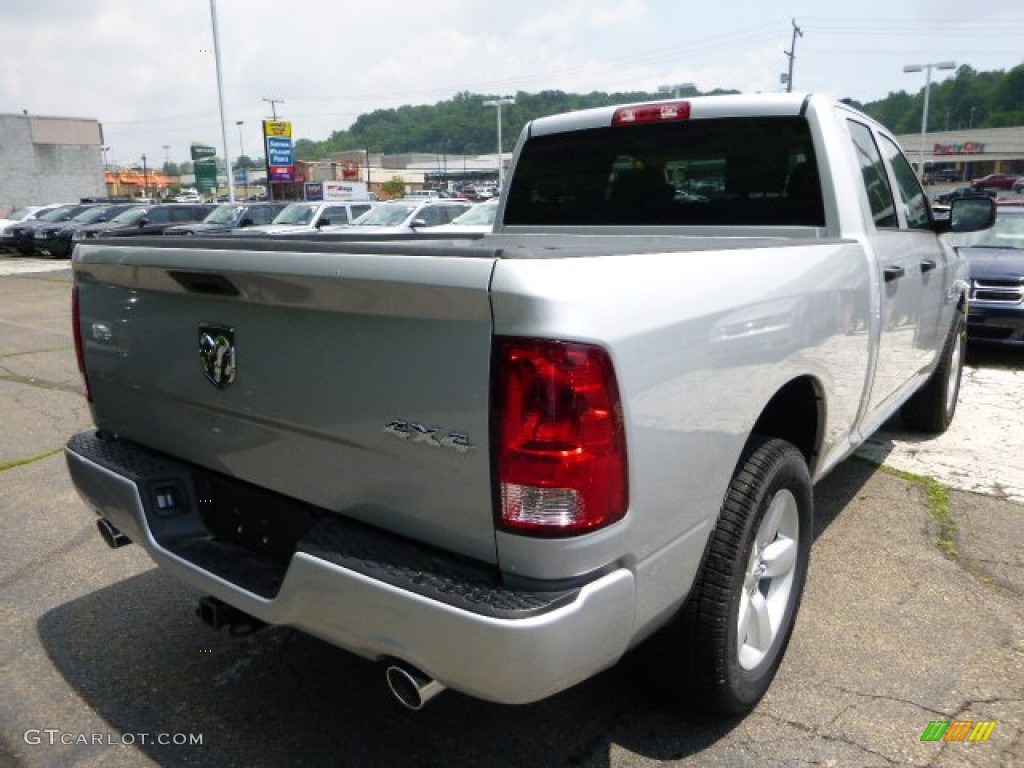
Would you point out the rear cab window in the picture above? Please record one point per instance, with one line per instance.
(721, 171)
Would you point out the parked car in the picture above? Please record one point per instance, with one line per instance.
(995, 181)
(56, 240)
(405, 217)
(24, 214)
(1018, 185)
(478, 219)
(311, 216)
(229, 216)
(995, 259)
(944, 198)
(939, 175)
(21, 236)
(501, 465)
(146, 220)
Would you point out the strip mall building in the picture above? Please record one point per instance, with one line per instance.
(971, 153)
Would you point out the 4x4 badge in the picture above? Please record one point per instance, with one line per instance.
(217, 354)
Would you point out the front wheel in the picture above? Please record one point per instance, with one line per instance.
(725, 647)
(932, 407)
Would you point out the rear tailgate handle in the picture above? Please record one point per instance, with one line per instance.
(927, 265)
(893, 273)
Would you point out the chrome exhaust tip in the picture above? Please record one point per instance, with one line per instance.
(412, 687)
(111, 535)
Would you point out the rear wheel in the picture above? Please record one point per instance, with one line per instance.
(932, 407)
(725, 647)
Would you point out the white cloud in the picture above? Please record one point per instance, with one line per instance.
(144, 68)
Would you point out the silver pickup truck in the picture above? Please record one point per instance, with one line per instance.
(499, 464)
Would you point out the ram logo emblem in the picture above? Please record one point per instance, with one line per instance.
(217, 354)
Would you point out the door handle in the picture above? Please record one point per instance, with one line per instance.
(893, 273)
(927, 265)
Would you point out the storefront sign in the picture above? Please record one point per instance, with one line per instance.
(959, 148)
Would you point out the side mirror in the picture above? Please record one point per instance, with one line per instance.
(246, 222)
(969, 214)
(323, 221)
(143, 222)
(418, 223)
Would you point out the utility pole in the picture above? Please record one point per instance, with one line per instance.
(273, 106)
(791, 53)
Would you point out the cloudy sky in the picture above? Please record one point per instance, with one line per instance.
(146, 69)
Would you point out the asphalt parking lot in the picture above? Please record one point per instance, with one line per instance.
(913, 614)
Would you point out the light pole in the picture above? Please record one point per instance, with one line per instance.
(676, 88)
(241, 152)
(220, 100)
(927, 69)
(497, 103)
(145, 178)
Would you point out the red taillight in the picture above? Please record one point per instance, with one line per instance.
(76, 327)
(561, 448)
(652, 113)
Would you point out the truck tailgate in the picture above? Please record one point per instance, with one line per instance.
(356, 381)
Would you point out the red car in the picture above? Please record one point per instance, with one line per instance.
(995, 181)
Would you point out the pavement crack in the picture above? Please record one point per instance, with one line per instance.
(831, 737)
(888, 697)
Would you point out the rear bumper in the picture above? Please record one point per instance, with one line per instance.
(373, 593)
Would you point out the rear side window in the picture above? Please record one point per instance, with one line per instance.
(263, 215)
(872, 173)
(335, 214)
(726, 171)
(159, 215)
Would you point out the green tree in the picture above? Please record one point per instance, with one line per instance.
(462, 125)
(394, 187)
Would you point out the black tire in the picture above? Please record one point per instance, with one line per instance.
(766, 518)
(932, 407)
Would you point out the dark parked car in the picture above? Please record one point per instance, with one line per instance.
(147, 220)
(21, 236)
(229, 216)
(55, 239)
(944, 198)
(996, 260)
(939, 175)
(995, 181)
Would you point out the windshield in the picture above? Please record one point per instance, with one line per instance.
(130, 216)
(19, 214)
(388, 215)
(92, 215)
(296, 213)
(1007, 232)
(482, 214)
(225, 214)
(59, 214)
